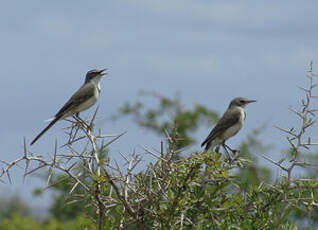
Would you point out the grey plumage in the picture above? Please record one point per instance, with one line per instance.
(230, 123)
(82, 99)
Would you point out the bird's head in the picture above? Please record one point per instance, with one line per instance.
(241, 102)
(95, 75)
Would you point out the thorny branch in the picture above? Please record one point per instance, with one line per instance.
(297, 137)
(156, 193)
(299, 140)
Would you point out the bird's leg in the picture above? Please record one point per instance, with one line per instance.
(227, 152)
(88, 126)
(234, 151)
(80, 120)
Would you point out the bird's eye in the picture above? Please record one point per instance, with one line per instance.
(242, 101)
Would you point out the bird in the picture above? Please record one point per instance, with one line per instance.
(84, 98)
(229, 125)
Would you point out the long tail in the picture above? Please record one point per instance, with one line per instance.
(209, 145)
(46, 129)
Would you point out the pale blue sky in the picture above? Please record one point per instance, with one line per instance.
(210, 51)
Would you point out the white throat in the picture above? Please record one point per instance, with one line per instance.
(241, 109)
(96, 82)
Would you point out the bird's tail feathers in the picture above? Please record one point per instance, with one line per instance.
(204, 142)
(209, 145)
(50, 119)
(44, 130)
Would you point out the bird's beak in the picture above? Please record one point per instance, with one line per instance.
(101, 72)
(251, 101)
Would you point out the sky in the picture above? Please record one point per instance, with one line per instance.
(208, 51)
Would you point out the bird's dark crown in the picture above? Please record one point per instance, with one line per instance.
(240, 101)
(94, 73)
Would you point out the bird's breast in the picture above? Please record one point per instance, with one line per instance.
(231, 131)
(87, 104)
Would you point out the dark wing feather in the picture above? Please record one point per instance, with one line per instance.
(229, 118)
(81, 95)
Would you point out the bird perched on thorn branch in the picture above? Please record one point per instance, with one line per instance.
(84, 98)
(229, 124)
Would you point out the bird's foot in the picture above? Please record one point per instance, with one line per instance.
(229, 159)
(235, 151)
(82, 123)
(89, 127)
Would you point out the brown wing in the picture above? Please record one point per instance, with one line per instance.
(228, 119)
(80, 96)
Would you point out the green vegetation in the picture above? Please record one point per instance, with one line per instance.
(178, 190)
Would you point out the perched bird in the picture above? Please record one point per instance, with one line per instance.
(81, 100)
(230, 123)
